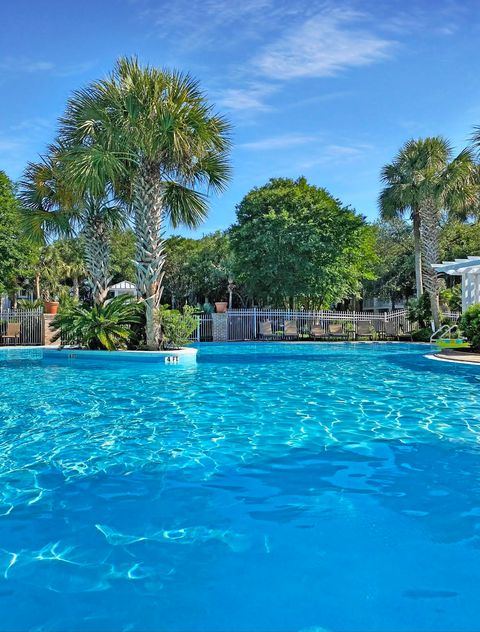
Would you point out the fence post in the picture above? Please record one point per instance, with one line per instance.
(354, 325)
(254, 314)
(198, 328)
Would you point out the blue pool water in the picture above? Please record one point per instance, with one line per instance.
(268, 487)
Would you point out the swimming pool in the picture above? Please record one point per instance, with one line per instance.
(265, 487)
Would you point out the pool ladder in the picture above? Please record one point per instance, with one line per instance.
(443, 332)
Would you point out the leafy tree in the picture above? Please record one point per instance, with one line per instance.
(17, 256)
(294, 243)
(180, 287)
(459, 240)
(122, 256)
(426, 180)
(395, 268)
(470, 325)
(154, 135)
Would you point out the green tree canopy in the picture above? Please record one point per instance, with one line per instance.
(395, 268)
(17, 256)
(295, 244)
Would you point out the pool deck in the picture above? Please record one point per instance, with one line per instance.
(452, 355)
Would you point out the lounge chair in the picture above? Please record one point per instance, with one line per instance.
(265, 329)
(392, 330)
(290, 329)
(317, 331)
(12, 334)
(336, 331)
(365, 329)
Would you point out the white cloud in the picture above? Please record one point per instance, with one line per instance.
(249, 98)
(322, 46)
(279, 142)
(23, 64)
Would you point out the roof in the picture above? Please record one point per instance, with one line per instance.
(123, 285)
(470, 265)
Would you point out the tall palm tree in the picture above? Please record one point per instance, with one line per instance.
(54, 208)
(156, 137)
(424, 179)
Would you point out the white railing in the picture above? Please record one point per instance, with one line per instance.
(21, 327)
(244, 324)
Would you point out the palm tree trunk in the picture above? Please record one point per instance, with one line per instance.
(37, 286)
(429, 232)
(418, 252)
(76, 288)
(97, 258)
(150, 255)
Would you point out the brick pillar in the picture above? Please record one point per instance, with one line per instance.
(47, 333)
(220, 327)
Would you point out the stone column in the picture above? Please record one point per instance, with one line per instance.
(220, 327)
(47, 333)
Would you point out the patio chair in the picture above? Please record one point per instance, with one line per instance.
(365, 329)
(265, 329)
(317, 331)
(290, 329)
(12, 334)
(336, 331)
(392, 330)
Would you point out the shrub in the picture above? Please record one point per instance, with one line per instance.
(470, 325)
(24, 303)
(177, 327)
(109, 326)
(419, 311)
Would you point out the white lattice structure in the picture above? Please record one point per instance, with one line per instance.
(469, 270)
(124, 287)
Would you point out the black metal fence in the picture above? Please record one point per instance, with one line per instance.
(21, 327)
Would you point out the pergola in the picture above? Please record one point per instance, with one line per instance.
(124, 287)
(469, 270)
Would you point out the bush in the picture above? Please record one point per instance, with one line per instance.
(24, 303)
(419, 311)
(176, 327)
(109, 326)
(470, 325)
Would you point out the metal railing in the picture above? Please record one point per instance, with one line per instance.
(21, 327)
(244, 324)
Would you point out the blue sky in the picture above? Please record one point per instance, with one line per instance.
(329, 90)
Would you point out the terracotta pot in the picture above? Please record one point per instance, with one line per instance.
(221, 307)
(50, 307)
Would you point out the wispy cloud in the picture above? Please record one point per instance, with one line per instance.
(322, 46)
(23, 64)
(18, 65)
(279, 142)
(247, 99)
(332, 154)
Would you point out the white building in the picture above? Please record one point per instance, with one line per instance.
(124, 287)
(469, 270)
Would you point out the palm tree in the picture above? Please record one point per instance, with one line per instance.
(424, 179)
(154, 135)
(54, 208)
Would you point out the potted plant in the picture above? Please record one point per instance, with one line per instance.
(221, 307)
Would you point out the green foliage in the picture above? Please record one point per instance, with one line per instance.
(452, 297)
(26, 304)
(122, 256)
(470, 325)
(459, 240)
(17, 255)
(395, 267)
(295, 243)
(197, 270)
(419, 311)
(177, 327)
(107, 326)
(422, 335)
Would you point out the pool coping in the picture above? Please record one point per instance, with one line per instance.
(455, 358)
(183, 351)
